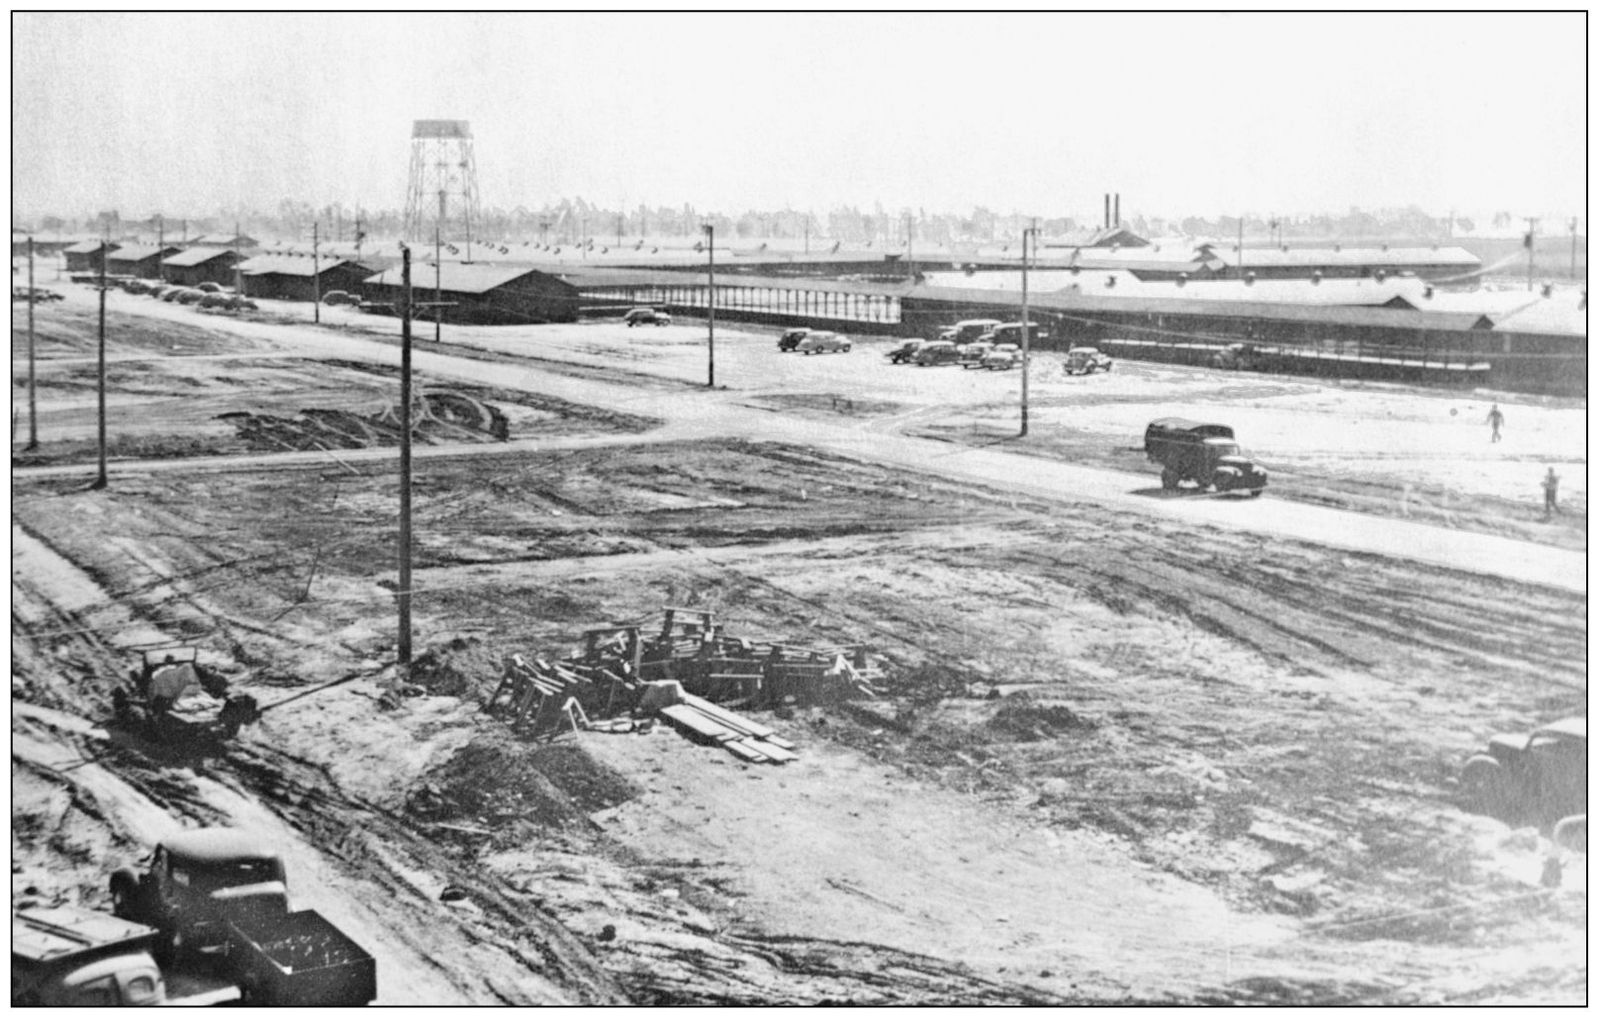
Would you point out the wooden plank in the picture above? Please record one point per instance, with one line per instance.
(728, 719)
(744, 750)
(772, 752)
(690, 719)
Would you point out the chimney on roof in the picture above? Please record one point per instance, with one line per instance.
(1106, 211)
(1116, 223)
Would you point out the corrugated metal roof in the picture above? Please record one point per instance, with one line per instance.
(597, 278)
(455, 277)
(138, 252)
(85, 247)
(1562, 314)
(195, 256)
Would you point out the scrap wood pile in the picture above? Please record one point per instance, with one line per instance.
(679, 672)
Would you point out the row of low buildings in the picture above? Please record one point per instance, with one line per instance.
(1340, 310)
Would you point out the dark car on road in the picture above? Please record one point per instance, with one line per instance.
(646, 316)
(904, 351)
(790, 338)
(939, 352)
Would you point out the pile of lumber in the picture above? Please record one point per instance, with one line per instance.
(745, 739)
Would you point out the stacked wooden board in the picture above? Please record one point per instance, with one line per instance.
(745, 739)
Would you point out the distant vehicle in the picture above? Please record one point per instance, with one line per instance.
(209, 287)
(215, 300)
(646, 316)
(171, 295)
(1086, 359)
(1236, 357)
(1205, 454)
(904, 351)
(941, 351)
(190, 296)
(1540, 777)
(965, 331)
(40, 295)
(1002, 357)
(339, 298)
(1011, 332)
(158, 289)
(790, 338)
(824, 342)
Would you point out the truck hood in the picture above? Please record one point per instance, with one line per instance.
(1513, 742)
(1243, 463)
(250, 892)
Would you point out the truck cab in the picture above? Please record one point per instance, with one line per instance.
(196, 881)
(1205, 454)
(968, 330)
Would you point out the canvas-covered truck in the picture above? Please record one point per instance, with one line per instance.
(221, 894)
(71, 956)
(1204, 454)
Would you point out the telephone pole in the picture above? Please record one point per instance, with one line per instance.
(1025, 331)
(33, 405)
(1531, 241)
(404, 564)
(317, 289)
(708, 229)
(100, 478)
(437, 281)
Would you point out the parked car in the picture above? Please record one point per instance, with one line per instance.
(790, 338)
(970, 353)
(824, 342)
(1206, 454)
(646, 316)
(190, 296)
(941, 351)
(904, 351)
(1236, 357)
(39, 294)
(209, 287)
(1011, 332)
(1086, 359)
(1540, 777)
(972, 328)
(339, 298)
(1002, 357)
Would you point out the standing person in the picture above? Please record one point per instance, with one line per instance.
(1551, 487)
(1496, 420)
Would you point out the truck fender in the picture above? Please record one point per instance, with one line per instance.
(125, 894)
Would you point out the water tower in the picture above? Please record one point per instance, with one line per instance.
(441, 187)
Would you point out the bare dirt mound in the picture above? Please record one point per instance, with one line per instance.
(496, 781)
(459, 668)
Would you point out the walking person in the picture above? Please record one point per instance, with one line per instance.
(1496, 420)
(1551, 488)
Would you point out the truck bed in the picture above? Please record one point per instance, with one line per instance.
(299, 959)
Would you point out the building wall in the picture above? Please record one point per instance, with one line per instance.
(219, 270)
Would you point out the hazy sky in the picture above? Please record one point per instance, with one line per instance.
(1042, 114)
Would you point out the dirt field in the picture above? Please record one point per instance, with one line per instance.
(1117, 756)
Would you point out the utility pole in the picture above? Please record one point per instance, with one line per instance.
(317, 289)
(1239, 246)
(32, 405)
(805, 233)
(100, 478)
(1570, 275)
(358, 232)
(708, 229)
(908, 223)
(437, 282)
(404, 565)
(1531, 240)
(1025, 332)
(161, 274)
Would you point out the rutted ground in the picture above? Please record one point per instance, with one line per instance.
(1117, 758)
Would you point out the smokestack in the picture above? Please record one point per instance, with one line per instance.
(1116, 223)
(1106, 211)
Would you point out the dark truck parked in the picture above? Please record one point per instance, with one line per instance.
(222, 893)
(1205, 454)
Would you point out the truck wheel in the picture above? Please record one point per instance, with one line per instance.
(1256, 492)
(1203, 485)
(124, 895)
(1483, 786)
(1168, 479)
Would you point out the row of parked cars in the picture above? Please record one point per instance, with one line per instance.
(37, 295)
(210, 295)
(990, 344)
